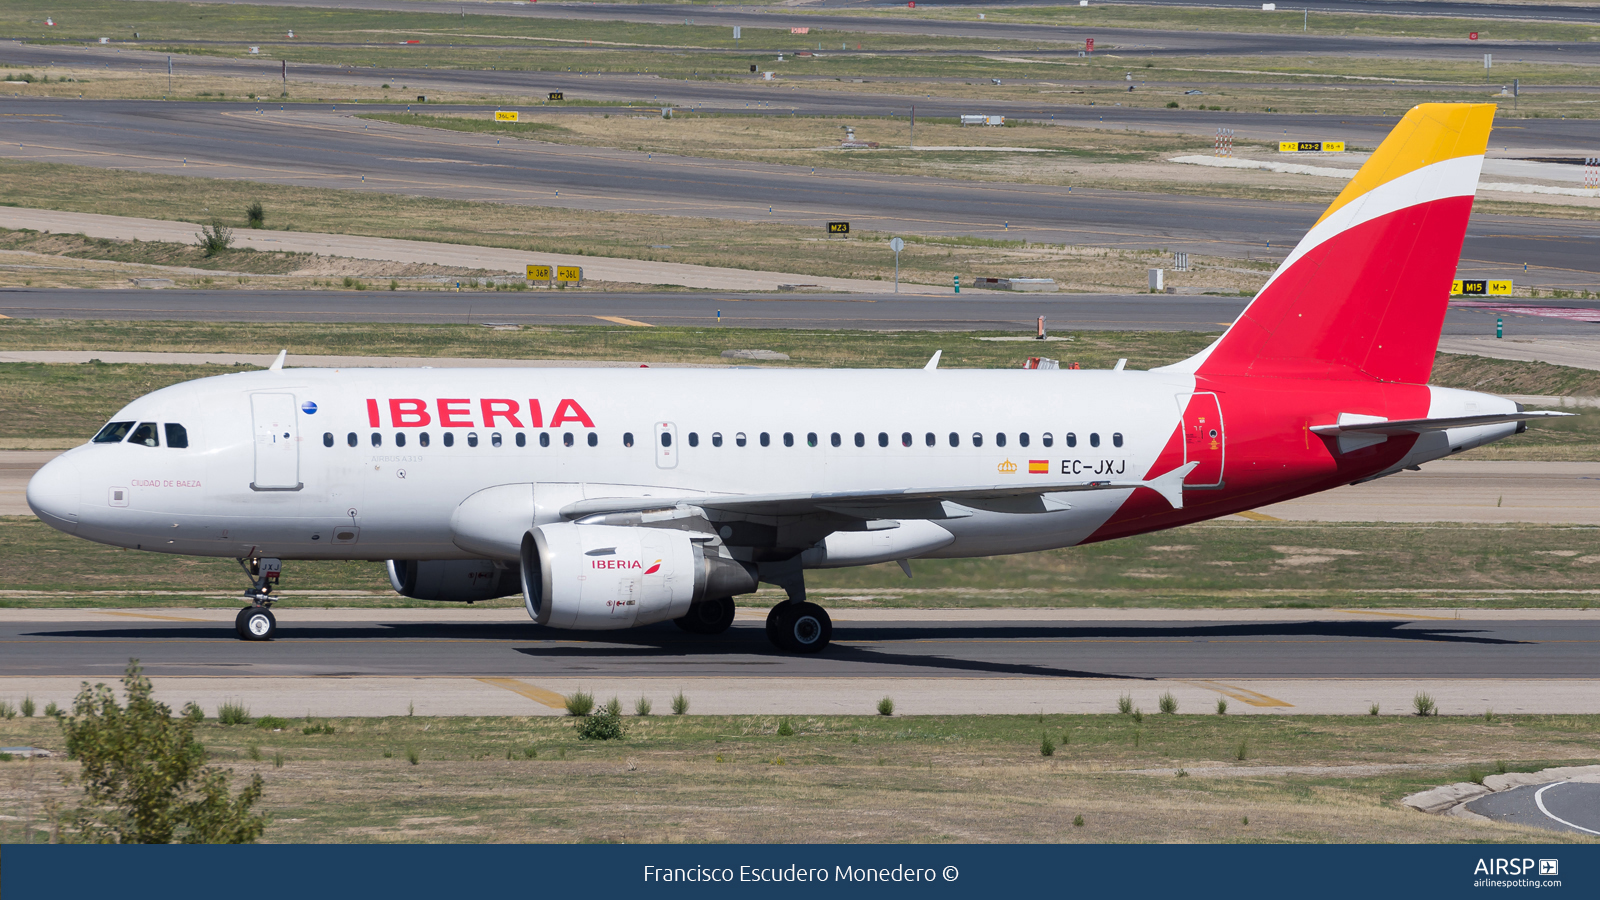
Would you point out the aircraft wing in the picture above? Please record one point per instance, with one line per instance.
(906, 503)
(1418, 426)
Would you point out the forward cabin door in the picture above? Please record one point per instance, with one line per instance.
(277, 443)
(1203, 438)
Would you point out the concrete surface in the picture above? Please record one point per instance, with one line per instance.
(1461, 491)
(1580, 352)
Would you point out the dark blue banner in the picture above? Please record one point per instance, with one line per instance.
(391, 872)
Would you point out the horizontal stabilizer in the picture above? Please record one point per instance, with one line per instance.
(1394, 427)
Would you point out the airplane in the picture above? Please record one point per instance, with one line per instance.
(618, 498)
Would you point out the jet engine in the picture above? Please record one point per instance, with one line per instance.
(598, 577)
(453, 580)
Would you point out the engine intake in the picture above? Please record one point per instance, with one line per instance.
(600, 577)
(453, 580)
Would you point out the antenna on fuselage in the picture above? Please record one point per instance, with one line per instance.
(934, 363)
(277, 364)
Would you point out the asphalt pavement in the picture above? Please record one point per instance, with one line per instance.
(319, 147)
(1572, 807)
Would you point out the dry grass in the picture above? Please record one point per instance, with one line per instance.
(860, 779)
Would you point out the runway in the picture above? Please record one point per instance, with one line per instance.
(495, 661)
(317, 147)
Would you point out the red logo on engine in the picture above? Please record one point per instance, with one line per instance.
(654, 567)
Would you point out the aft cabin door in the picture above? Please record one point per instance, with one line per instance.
(277, 440)
(1203, 438)
(666, 445)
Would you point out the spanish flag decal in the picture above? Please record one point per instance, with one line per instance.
(1038, 467)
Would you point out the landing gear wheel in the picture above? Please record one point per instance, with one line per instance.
(255, 623)
(799, 627)
(710, 617)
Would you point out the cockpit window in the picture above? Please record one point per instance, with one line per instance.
(145, 434)
(113, 433)
(178, 436)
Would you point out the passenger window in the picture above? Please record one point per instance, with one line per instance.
(400, 439)
(494, 439)
(145, 434)
(694, 439)
(955, 439)
(666, 439)
(1094, 438)
(472, 439)
(811, 439)
(566, 439)
(449, 438)
(861, 439)
(351, 439)
(905, 438)
(977, 439)
(1023, 439)
(178, 436)
(522, 439)
(739, 439)
(766, 439)
(377, 439)
(1116, 439)
(113, 433)
(594, 439)
(716, 439)
(835, 439)
(627, 438)
(883, 439)
(1000, 439)
(327, 439)
(929, 439)
(1072, 439)
(1047, 438)
(423, 439)
(544, 438)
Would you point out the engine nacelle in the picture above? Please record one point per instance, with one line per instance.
(599, 577)
(453, 580)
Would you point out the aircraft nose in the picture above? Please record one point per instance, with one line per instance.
(53, 494)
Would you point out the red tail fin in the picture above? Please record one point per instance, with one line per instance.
(1363, 295)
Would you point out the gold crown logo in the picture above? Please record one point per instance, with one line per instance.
(1007, 468)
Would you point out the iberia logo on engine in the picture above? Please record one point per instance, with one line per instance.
(624, 564)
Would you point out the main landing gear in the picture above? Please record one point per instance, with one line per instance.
(710, 617)
(795, 625)
(256, 622)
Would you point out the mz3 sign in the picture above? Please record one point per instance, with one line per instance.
(838, 227)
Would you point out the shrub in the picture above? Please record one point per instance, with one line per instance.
(1245, 820)
(1172, 104)
(1183, 773)
(1242, 750)
(413, 755)
(1047, 747)
(1501, 768)
(7, 711)
(52, 710)
(277, 760)
(144, 776)
(1125, 704)
(388, 754)
(601, 726)
(1488, 715)
(1168, 703)
(193, 712)
(680, 704)
(530, 752)
(1424, 705)
(394, 285)
(231, 713)
(785, 729)
(271, 723)
(613, 707)
(1475, 774)
(1222, 706)
(214, 238)
(28, 708)
(642, 706)
(886, 706)
(318, 728)
(1372, 710)
(1077, 821)
(1138, 714)
(580, 703)
(253, 752)
(256, 214)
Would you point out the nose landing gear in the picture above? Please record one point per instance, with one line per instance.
(256, 622)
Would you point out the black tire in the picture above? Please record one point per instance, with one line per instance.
(255, 623)
(710, 617)
(801, 627)
(773, 626)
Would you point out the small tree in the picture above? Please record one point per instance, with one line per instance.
(215, 238)
(256, 214)
(144, 776)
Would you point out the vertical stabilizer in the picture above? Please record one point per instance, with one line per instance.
(1363, 295)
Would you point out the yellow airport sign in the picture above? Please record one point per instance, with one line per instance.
(1478, 287)
(538, 273)
(1311, 146)
(569, 273)
(505, 115)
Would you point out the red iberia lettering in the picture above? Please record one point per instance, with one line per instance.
(372, 413)
(614, 564)
(535, 415)
(448, 413)
(409, 413)
(570, 411)
(500, 409)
